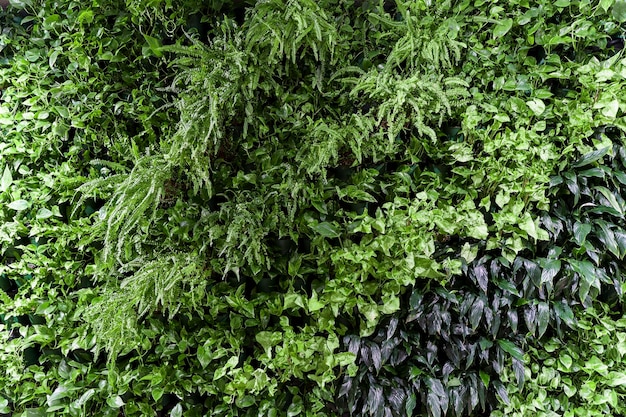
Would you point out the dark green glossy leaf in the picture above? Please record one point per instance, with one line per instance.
(620, 237)
(511, 348)
(621, 176)
(614, 200)
(591, 157)
(411, 403)
(607, 237)
(581, 230)
(593, 172)
(551, 267)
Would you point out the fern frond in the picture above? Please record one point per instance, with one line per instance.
(168, 284)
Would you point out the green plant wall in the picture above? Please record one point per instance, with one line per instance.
(363, 208)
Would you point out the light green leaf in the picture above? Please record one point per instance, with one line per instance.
(566, 360)
(154, 45)
(617, 379)
(115, 402)
(502, 28)
(204, 356)
(43, 213)
(537, 106)
(19, 205)
(53, 58)
(157, 393)
(314, 303)
(619, 10)
(610, 109)
(177, 411)
(528, 225)
(7, 179)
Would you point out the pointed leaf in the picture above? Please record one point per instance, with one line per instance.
(518, 369)
(607, 237)
(592, 157)
(502, 27)
(511, 348)
(476, 312)
(611, 198)
(581, 230)
(501, 391)
(543, 317)
(565, 313)
(530, 318)
(433, 405)
(7, 179)
(327, 229)
(551, 267)
(19, 205)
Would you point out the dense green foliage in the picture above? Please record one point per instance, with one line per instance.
(298, 207)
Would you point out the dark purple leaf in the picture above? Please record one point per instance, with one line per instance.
(434, 407)
(501, 391)
(543, 317)
(476, 312)
(354, 344)
(482, 277)
(471, 354)
(435, 386)
(518, 369)
(454, 353)
(473, 392)
(375, 400)
(391, 329)
(457, 398)
(376, 357)
(434, 321)
(397, 398)
(345, 387)
(533, 271)
(366, 356)
(530, 317)
(513, 320)
(447, 370)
